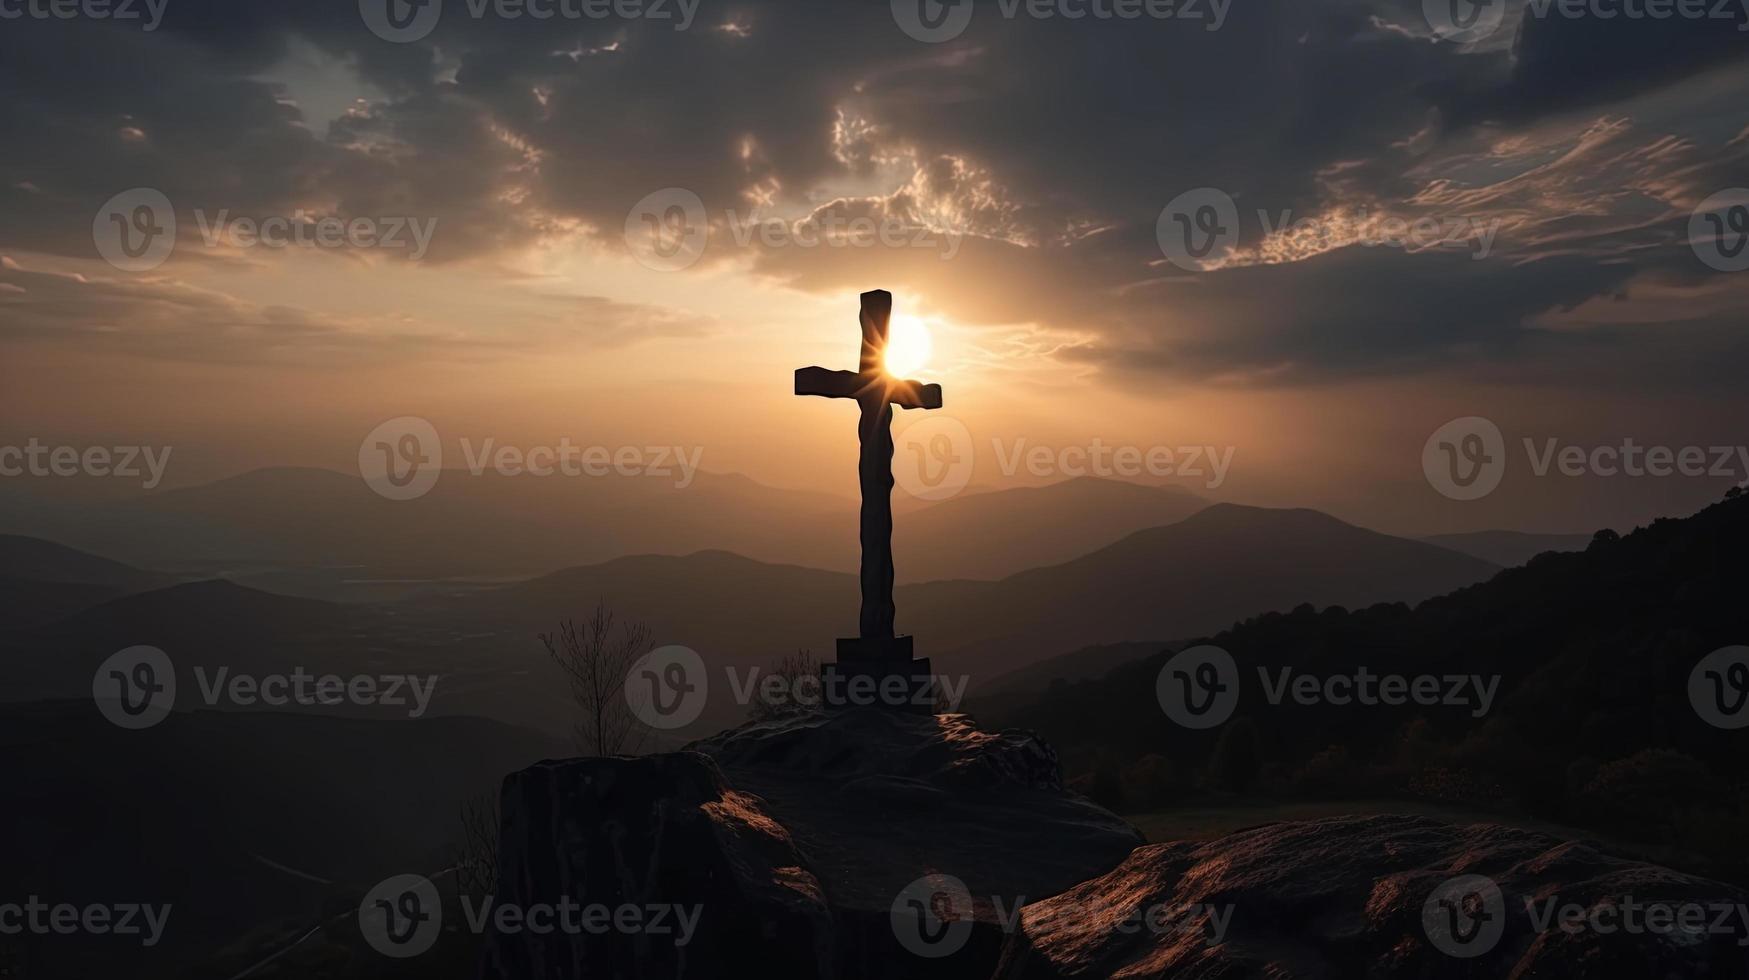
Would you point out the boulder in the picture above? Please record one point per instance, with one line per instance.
(662, 835)
(853, 843)
(1383, 896)
(898, 812)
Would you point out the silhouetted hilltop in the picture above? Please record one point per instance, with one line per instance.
(1591, 722)
(997, 533)
(199, 609)
(1065, 667)
(1206, 572)
(41, 581)
(209, 624)
(255, 524)
(45, 561)
(1508, 548)
(1202, 574)
(1209, 571)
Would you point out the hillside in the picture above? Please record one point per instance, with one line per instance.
(325, 534)
(998, 533)
(1202, 574)
(1199, 575)
(45, 561)
(1592, 722)
(41, 581)
(246, 823)
(1508, 548)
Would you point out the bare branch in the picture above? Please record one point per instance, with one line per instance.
(595, 658)
(476, 853)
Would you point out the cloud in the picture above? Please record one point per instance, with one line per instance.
(160, 317)
(1047, 148)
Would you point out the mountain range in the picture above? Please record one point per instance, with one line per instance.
(1200, 574)
(329, 535)
(1598, 713)
(1508, 548)
(324, 534)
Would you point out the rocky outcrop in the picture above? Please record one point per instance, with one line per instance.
(852, 843)
(1383, 896)
(652, 867)
(927, 833)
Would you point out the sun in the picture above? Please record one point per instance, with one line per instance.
(908, 346)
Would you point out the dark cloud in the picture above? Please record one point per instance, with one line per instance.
(1561, 63)
(1046, 147)
(1355, 311)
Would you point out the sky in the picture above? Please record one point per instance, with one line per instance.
(1301, 236)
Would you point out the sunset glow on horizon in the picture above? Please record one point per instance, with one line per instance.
(525, 281)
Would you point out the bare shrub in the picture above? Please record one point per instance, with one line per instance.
(596, 658)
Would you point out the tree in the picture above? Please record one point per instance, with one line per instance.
(596, 659)
(476, 853)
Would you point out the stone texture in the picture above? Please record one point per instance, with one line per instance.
(798, 836)
(1345, 897)
(660, 829)
(879, 799)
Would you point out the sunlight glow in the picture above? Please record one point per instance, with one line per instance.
(908, 346)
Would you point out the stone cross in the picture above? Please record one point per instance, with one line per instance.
(876, 648)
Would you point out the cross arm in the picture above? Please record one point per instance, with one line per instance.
(914, 394)
(828, 384)
(853, 384)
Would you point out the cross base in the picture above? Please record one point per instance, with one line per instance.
(875, 649)
(878, 672)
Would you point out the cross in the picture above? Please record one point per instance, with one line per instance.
(876, 393)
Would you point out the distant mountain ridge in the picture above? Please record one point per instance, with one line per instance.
(41, 581)
(993, 534)
(1508, 548)
(1592, 653)
(1204, 573)
(1210, 570)
(45, 561)
(252, 525)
